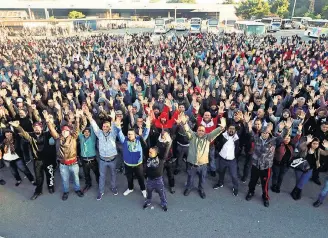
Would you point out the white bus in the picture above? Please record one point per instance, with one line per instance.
(181, 24)
(250, 28)
(286, 24)
(317, 28)
(272, 23)
(300, 22)
(163, 25)
(213, 25)
(195, 25)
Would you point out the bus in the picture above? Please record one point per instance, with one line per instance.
(286, 24)
(300, 22)
(163, 25)
(250, 28)
(212, 25)
(272, 23)
(181, 24)
(195, 25)
(317, 28)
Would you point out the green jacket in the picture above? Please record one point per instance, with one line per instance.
(199, 146)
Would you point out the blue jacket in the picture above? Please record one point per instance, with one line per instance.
(132, 156)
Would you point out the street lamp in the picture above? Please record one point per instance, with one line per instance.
(175, 13)
(294, 8)
(110, 10)
(29, 11)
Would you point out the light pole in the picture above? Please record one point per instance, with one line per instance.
(175, 13)
(29, 12)
(110, 10)
(294, 8)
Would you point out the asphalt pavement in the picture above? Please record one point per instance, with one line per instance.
(219, 215)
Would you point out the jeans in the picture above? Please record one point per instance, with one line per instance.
(232, 165)
(90, 165)
(156, 184)
(65, 171)
(102, 169)
(247, 165)
(213, 166)
(169, 171)
(182, 151)
(192, 171)
(41, 168)
(26, 150)
(302, 178)
(131, 171)
(19, 163)
(264, 175)
(278, 173)
(324, 192)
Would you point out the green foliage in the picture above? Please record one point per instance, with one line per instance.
(75, 15)
(324, 12)
(182, 1)
(253, 8)
(280, 7)
(312, 15)
(229, 2)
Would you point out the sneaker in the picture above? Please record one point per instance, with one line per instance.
(114, 191)
(99, 197)
(164, 208)
(35, 196)
(65, 196)
(266, 203)
(144, 193)
(218, 185)
(243, 179)
(2, 182)
(235, 192)
(202, 194)
(172, 190)
(33, 183)
(187, 192)
(146, 205)
(249, 196)
(51, 190)
(18, 183)
(317, 181)
(79, 193)
(317, 203)
(127, 192)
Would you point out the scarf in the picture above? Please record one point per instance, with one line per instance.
(210, 124)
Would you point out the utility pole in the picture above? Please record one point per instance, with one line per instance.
(294, 8)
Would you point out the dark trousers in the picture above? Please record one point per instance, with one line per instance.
(247, 165)
(156, 184)
(192, 171)
(19, 163)
(278, 173)
(169, 171)
(232, 166)
(137, 171)
(181, 152)
(90, 165)
(322, 168)
(41, 168)
(264, 175)
(26, 150)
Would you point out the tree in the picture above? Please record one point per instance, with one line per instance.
(324, 12)
(253, 8)
(279, 7)
(182, 1)
(75, 15)
(229, 2)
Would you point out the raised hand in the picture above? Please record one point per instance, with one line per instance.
(148, 122)
(312, 111)
(325, 144)
(281, 125)
(309, 139)
(247, 117)
(250, 107)
(14, 124)
(223, 122)
(289, 123)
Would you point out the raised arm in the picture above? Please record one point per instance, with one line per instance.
(21, 131)
(50, 125)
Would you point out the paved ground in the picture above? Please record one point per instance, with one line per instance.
(219, 215)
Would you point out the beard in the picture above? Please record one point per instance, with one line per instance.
(38, 133)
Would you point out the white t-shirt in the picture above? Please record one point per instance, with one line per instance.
(9, 156)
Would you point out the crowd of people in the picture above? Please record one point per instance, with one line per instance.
(196, 103)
